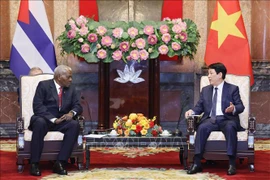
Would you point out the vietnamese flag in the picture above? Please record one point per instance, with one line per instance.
(227, 40)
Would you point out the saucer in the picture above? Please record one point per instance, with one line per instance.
(165, 135)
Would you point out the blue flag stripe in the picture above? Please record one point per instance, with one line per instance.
(19, 66)
(40, 40)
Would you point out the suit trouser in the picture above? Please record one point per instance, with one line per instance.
(228, 128)
(40, 127)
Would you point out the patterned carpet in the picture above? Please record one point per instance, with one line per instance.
(131, 173)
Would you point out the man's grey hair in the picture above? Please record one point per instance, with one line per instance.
(61, 69)
(35, 71)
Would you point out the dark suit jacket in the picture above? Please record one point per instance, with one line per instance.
(230, 93)
(45, 102)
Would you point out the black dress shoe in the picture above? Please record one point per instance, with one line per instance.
(231, 170)
(194, 169)
(34, 170)
(59, 168)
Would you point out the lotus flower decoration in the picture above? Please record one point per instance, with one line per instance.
(129, 74)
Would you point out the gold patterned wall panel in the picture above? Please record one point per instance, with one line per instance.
(4, 33)
(260, 29)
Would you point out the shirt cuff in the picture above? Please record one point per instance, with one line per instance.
(53, 120)
(234, 110)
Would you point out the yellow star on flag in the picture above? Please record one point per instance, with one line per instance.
(226, 25)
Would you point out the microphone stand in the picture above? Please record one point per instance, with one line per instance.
(184, 104)
(89, 113)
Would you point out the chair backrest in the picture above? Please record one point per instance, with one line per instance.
(28, 85)
(243, 82)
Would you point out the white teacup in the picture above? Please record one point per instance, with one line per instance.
(165, 132)
(113, 132)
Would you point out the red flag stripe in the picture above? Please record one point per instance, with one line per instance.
(89, 9)
(172, 9)
(24, 12)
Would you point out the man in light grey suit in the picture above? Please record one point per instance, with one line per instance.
(221, 104)
(55, 104)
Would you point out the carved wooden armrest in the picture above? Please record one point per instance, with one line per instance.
(251, 131)
(20, 133)
(80, 119)
(190, 125)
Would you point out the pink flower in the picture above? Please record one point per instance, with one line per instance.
(81, 20)
(166, 19)
(124, 46)
(74, 27)
(164, 29)
(71, 21)
(92, 38)
(152, 39)
(117, 32)
(176, 21)
(129, 58)
(106, 41)
(133, 45)
(134, 54)
(144, 54)
(176, 28)
(133, 32)
(71, 34)
(140, 43)
(183, 25)
(166, 37)
(84, 30)
(85, 48)
(183, 36)
(176, 46)
(117, 55)
(148, 30)
(98, 46)
(80, 40)
(101, 54)
(163, 49)
(101, 30)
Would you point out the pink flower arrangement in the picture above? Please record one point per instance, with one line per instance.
(107, 42)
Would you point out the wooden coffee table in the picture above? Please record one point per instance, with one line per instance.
(134, 142)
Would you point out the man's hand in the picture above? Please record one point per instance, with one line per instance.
(65, 117)
(69, 116)
(189, 113)
(59, 120)
(230, 108)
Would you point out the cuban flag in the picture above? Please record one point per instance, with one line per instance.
(32, 44)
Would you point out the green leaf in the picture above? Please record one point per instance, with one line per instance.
(154, 55)
(90, 58)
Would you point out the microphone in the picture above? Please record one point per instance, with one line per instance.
(89, 112)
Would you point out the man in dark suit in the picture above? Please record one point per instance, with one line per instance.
(221, 104)
(54, 109)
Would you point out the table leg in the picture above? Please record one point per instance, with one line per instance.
(185, 157)
(87, 156)
(181, 154)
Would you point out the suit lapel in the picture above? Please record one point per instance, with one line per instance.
(54, 91)
(224, 95)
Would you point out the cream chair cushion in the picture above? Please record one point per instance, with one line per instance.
(28, 85)
(243, 82)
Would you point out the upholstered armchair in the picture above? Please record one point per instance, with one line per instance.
(216, 145)
(53, 139)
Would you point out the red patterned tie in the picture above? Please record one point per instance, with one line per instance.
(60, 97)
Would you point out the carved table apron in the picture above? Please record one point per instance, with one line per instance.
(129, 142)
